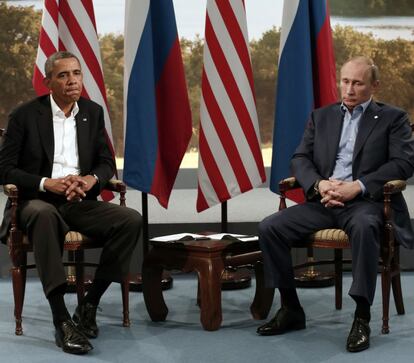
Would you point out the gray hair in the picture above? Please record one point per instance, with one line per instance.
(50, 62)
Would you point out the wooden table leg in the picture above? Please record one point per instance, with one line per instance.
(263, 297)
(209, 275)
(152, 290)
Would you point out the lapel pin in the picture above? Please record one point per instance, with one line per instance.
(375, 116)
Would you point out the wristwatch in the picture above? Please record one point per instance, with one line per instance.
(96, 177)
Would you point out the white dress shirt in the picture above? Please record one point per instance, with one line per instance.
(65, 157)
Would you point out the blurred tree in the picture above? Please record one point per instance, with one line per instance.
(265, 55)
(112, 52)
(372, 7)
(18, 46)
(192, 53)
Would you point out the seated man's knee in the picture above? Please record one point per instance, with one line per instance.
(269, 224)
(131, 217)
(41, 210)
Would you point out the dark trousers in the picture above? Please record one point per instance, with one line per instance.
(361, 219)
(46, 225)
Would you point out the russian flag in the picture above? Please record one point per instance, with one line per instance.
(306, 78)
(157, 115)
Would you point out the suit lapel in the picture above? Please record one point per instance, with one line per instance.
(334, 128)
(45, 125)
(82, 131)
(368, 120)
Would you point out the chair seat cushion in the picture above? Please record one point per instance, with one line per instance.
(330, 238)
(75, 240)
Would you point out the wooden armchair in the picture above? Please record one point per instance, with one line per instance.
(337, 240)
(75, 242)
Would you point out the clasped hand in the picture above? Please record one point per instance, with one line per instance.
(335, 193)
(74, 187)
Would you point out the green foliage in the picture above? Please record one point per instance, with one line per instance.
(18, 47)
(371, 7)
(264, 54)
(112, 52)
(192, 53)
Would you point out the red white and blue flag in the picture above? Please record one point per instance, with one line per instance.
(306, 78)
(70, 25)
(157, 115)
(230, 159)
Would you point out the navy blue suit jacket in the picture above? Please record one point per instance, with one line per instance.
(384, 151)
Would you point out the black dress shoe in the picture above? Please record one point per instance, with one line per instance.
(70, 339)
(85, 320)
(285, 320)
(358, 338)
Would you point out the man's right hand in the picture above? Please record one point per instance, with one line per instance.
(69, 186)
(56, 186)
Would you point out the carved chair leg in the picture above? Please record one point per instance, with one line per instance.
(396, 282)
(125, 301)
(19, 282)
(386, 287)
(397, 292)
(338, 278)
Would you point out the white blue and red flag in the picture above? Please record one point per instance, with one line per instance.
(306, 78)
(157, 115)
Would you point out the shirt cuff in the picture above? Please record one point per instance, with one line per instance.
(363, 189)
(41, 185)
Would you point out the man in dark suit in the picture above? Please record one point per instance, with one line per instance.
(55, 151)
(348, 151)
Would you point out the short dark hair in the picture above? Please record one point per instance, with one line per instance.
(50, 62)
(369, 62)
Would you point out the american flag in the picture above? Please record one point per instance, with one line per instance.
(230, 159)
(70, 25)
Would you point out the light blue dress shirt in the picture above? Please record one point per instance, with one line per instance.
(343, 162)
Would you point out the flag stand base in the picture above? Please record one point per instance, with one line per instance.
(236, 279)
(135, 282)
(312, 278)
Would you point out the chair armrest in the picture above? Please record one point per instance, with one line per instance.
(288, 184)
(394, 186)
(10, 190)
(116, 185)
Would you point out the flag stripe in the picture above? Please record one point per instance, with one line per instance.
(230, 160)
(241, 124)
(218, 153)
(214, 173)
(228, 13)
(82, 42)
(224, 133)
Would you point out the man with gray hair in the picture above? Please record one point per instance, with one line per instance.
(55, 151)
(348, 151)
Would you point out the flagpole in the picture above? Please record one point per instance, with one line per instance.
(232, 279)
(135, 283)
(145, 233)
(224, 221)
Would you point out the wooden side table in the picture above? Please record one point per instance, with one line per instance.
(208, 258)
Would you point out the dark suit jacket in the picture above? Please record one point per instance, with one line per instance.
(26, 154)
(384, 151)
